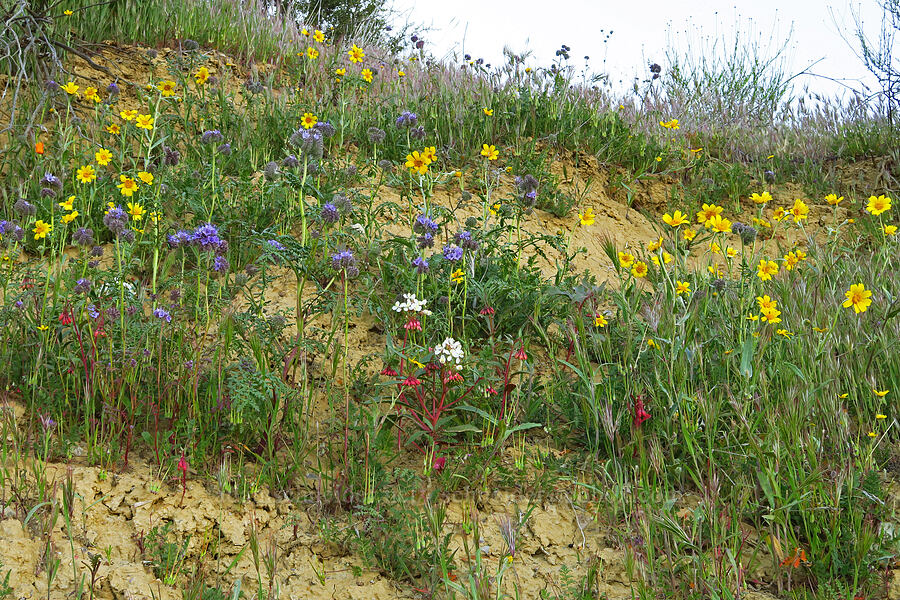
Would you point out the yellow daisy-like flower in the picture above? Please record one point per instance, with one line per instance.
(430, 154)
(639, 269)
(340, 72)
(458, 276)
(730, 252)
(654, 246)
(494, 209)
(417, 162)
(752, 317)
(70, 88)
(671, 124)
(783, 333)
(146, 177)
(600, 320)
(586, 218)
(143, 122)
(201, 76)
(136, 210)
(41, 229)
(128, 186)
(401, 74)
(790, 260)
(689, 235)
(881, 393)
(858, 297)
(718, 224)
(490, 152)
(820, 329)
(305, 31)
(312, 53)
(356, 54)
(128, 115)
(319, 36)
(766, 269)
(872, 434)
(878, 204)
(799, 211)
(103, 156)
(68, 12)
(676, 219)
(761, 223)
(489, 112)
(880, 416)
(86, 174)
(770, 315)
(779, 214)
(707, 212)
(626, 260)
(763, 198)
(90, 93)
(166, 88)
(890, 230)
(68, 204)
(309, 120)
(68, 218)
(715, 269)
(682, 287)
(113, 129)
(367, 75)
(833, 199)
(652, 344)
(766, 302)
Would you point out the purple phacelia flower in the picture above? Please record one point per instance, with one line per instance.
(330, 213)
(163, 315)
(421, 265)
(452, 252)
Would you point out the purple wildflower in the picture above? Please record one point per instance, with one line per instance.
(330, 213)
(452, 252)
(421, 265)
(163, 315)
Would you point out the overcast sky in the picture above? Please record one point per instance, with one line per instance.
(642, 29)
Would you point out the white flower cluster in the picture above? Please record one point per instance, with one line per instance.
(450, 351)
(411, 304)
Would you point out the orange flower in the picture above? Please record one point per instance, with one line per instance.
(39, 148)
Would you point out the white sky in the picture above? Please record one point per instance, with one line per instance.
(642, 29)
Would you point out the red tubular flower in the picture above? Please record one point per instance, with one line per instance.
(487, 310)
(411, 381)
(413, 325)
(388, 372)
(65, 318)
(640, 414)
(439, 464)
(520, 353)
(454, 377)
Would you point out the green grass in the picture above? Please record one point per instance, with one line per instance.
(238, 333)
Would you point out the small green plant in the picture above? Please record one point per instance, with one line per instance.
(166, 555)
